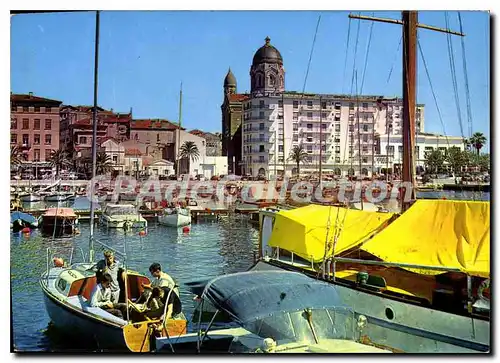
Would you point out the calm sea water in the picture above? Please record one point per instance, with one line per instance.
(208, 250)
(211, 248)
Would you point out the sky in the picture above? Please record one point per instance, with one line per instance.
(145, 55)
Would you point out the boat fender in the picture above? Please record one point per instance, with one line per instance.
(185, 229)
(142, 233)
(58, 262)
(26, 230)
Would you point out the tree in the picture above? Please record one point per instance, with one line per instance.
(298, 155)
(484, 162)
(477, 140)
(103, 164)
(16, 157)
(58, 159)
(190, 151)
(434, 160)
(456, 158)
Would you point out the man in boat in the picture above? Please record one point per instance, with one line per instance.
(161, 280)
(101, 297)
(111, 266)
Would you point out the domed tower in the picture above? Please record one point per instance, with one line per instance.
(229, 83)
(267, 73)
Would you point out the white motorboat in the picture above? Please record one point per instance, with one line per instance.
(30, 198)
(175, 217)
(57, 197)
(122, 216)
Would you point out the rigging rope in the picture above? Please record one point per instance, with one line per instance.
(451, 58)
(432, 90)
(346, 53)
(466, 79)
(366, 55)
(394, 61)
(310, 55)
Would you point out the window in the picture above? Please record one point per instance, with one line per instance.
(337, 159)
(13, 138)
(323, 126)
(309, 148)
(323, 115)
(309, 126)
(261, 148)
(48, 153)
(295, 137)
(48, 109)
(295, 104)
(281, 148)
(280, 116)
(309, 138)
(337, 117)
(365, 128)
(48, 124)
(82, 140)
(323, 148)
(365, 138)
(337, 105)
(261, 104)
(390, 149)
(400, 149)
(158, 138)
(26, 139)
(115, 159)
(365, 160)
(261, 126)
(26, 123)
(36, 139)
(261, 114)
(365, 105)
(351, 106)
(261, 137)
(295, 126)
(13, 123)
(365, 149)
(37, 108)
(295, 115)
(36, 126)
(351, 128)
(25, 108)
(136, 164)
(280, 103)
(261, 158)
(36, 155)
(281, 159)
(323, 159)
(337, 128)
(309, 104)
(309, 115)
(337, 149)
(48, 139)
(323, 105)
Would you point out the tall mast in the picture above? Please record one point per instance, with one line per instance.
(320, 142)
(409, 100)
(94, 139)
(178, 138)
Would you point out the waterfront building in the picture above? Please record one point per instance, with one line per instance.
(34, 126)
(260, 129)
(213, 141)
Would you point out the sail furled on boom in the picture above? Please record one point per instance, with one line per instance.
(447, 233)
(303, 230)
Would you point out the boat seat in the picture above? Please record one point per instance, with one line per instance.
(88, 286)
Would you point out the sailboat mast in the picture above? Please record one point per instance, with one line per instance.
(178, 139)
(409, 101)
(94, 139)
(320, 143)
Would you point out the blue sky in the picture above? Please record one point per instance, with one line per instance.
(144, 56)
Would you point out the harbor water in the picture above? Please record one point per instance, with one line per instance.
(209, 249)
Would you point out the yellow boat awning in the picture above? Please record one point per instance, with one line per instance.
(303, 231)
(444, 233)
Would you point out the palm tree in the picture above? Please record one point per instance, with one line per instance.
(299, 155)
(477, 140)
(15, 155)
(103, 163)
(58, 159)
(190, 151)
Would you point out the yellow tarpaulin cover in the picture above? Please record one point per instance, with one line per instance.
(446, 233)
(303, 231)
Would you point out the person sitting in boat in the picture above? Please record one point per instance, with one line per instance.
(101, 296)
(111, 266)
(161, 279)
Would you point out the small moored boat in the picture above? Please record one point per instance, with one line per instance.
(59, 221)
(122, 216)
(175, 217)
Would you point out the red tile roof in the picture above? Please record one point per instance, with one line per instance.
(238, 97)
(31, 98)
(135, 152)
(153, 124)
